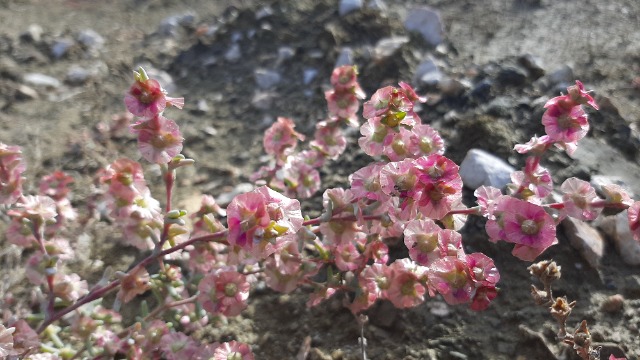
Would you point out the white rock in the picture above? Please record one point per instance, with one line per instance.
(386, 47)
(482, 168)
(427, 22)
(266, 78)
(378, 5)
(348, 6)
(617, 228)
(585, 239)
(26, 93)
(38, 79)
(345, 57)
(427, 72)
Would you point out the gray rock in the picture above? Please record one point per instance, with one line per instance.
(345, 57)
(378, 5)
(264, 12)
(387, 47)
(90, 39)
(60, 47)
(348, 6)
(233, 54)
(428, 73)
(560, 77)
(482, 168)
(77, 75)
(427, 22)
(500, 107)
(267, 78)
(584, 238)
(37, 79)
(308, 74)
(598, 181)
(617, 229)
(169, 26)
(263, 100)
(225, 198)
(285, 53)
(632, 287)
(452, 87)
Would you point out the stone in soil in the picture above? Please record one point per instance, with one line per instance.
(482, 168)
(585, 239)
(427, 22)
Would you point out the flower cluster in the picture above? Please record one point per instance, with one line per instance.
(159, 138)
(393, 128)
(296, 173)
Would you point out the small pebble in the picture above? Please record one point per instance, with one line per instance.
(612, 304)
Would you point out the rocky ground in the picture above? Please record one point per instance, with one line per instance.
(488, 69)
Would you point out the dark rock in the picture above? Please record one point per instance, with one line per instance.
(533, 65)
(481, 91)
(511, 76)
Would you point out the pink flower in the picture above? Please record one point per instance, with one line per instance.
(146, 98)
(319, 295)
(425, 141)
(450, 277)
(578, 95)
(55, 185)
(296, 178)
(342, 105)
(280, 138)
(400, 179)
(436, 168)
(159, 139)
(375, 136)
(529, 227)
(11, 168)
(233, 350)
(365, 183)
(392, 106)
(133, 284)
(177, 346)
(406, 289)
(377, 278)
(487, 197)
(345, 78)
(224, 292)
(347, 256)
(565, 125)
(536, 146)
(399, 148)
(329, 140)
(364, 298)
(577, 198)
(39, 209)
(421, 238)
(70, 287)
(633, 214)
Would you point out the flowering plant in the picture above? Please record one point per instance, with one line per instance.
(410, 193)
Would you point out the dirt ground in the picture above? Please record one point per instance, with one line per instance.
(211, 49)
